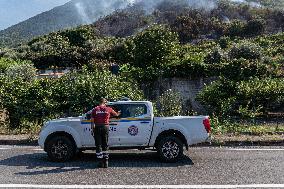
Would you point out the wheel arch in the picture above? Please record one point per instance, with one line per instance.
(171, 132)
(59, 133)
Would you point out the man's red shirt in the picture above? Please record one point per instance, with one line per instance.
(101, 115)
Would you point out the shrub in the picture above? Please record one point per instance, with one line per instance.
(214, 57)
(224, 42)
(254, 28)
(219, 97)
(5, 63)
(267, 93)
(236, 29)
(246, 98)
(169, 104)
(242, 69)
(25, 71)
(245, 50)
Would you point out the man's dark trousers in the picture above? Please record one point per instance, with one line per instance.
(101, 133)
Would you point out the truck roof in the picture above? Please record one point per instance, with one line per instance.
(130, 102)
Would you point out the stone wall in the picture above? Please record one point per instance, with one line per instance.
(188, 89)
(3, 116)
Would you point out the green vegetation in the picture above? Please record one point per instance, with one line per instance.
(169, 104)
(243, 56)
(253, 129)
(34, 101)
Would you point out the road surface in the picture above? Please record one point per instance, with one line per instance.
(202, 167)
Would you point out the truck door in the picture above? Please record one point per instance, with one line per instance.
(87, 137)
(134, 126)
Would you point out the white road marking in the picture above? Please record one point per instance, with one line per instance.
(34, 148)
(256, 149)
(37, 149)
(20, 148)
(240, 149)
(5, 148)
(140, 186)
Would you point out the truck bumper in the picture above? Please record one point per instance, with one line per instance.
(40, 141)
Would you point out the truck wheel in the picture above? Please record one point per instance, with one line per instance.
(60, 149)
(170, 149)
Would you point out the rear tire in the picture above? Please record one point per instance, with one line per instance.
(60, 149)
(170, 149)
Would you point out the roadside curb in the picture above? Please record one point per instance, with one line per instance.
(18, 142)
(241, 143)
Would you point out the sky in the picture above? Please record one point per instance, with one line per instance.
(15, 11)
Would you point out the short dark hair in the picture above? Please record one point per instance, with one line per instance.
(103, 100)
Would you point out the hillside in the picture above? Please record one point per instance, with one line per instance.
(134, 17)
(238, 45)
(196, 19)
(72, 14)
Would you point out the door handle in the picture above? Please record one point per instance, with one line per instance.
(144, 122)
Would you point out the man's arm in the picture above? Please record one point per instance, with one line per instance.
(93, 122)
(93, 126)
(114, 113)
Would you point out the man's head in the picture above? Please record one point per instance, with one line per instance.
(103, 101)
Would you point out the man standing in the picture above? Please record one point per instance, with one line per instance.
(100, 126)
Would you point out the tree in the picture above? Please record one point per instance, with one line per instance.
(155, 47)
(50, 50)
(25, 71)
(254, 27)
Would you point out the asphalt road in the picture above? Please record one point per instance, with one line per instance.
(200, 166)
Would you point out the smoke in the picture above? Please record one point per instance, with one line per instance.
(91, 10)
(131, 2)
(81, 11)
(202, 4)
(226, 19)
(239, 1)
(150, 5)
(250, 3)
(255, 4)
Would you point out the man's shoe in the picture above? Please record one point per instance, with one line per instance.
(105, 163)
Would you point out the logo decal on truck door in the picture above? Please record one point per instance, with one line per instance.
(133, 130)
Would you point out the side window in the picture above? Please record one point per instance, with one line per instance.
(89, 116)
(133, 110)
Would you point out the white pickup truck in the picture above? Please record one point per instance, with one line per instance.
(136, 128)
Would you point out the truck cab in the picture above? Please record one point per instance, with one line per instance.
(132, 128)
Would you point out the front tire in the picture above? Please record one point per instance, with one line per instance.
(170, 149)
(60, 149)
